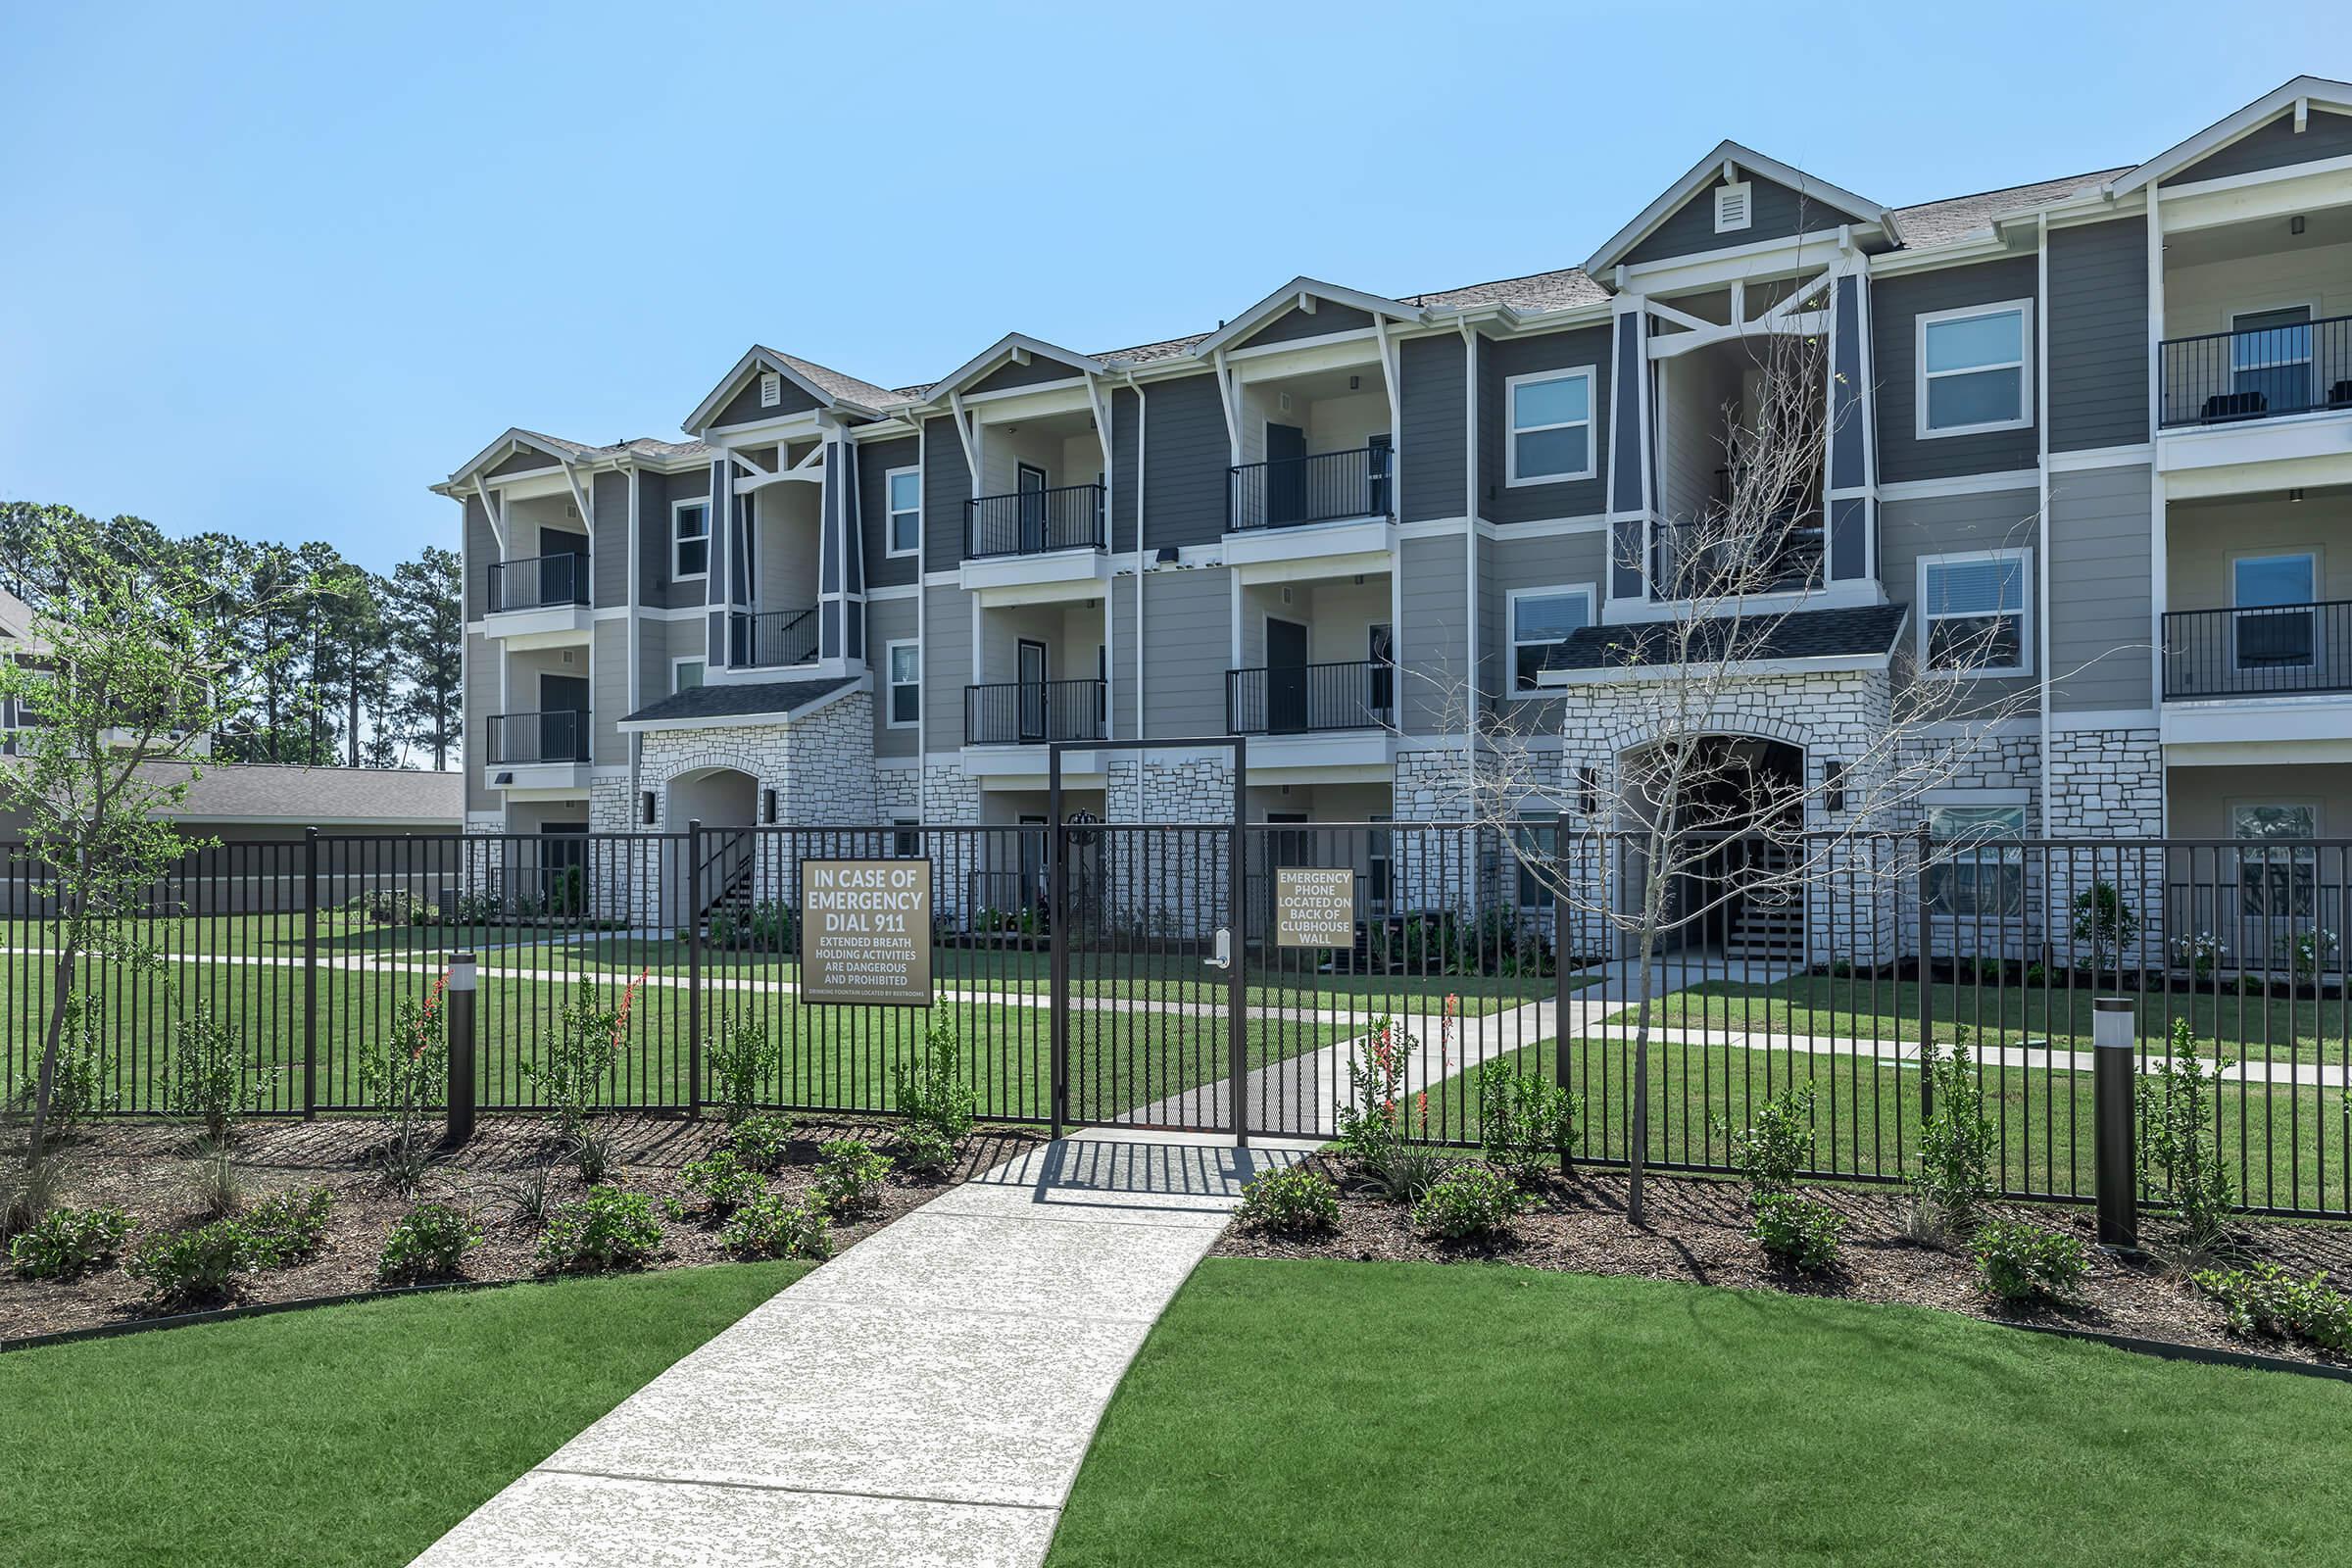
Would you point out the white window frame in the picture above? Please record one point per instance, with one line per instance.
(2024, 366)
(890, 517)
(1512, 479)
(2025, 613)
(676, 508)
(1939, 900)
(891, 685)
(1590, 592)
(687, 659)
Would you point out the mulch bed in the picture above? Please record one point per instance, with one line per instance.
(1696, 1230)
(143, 1167)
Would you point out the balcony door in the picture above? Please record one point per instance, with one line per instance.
(1286, 474)
(1031, 483)
(1286, 677)
(2273, 627)
(563, 566)
(1382, 652)
(563, 719)
(2269, 360)
(1031, 674)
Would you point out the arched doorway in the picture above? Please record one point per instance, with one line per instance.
(1737, 804)
(716, 798)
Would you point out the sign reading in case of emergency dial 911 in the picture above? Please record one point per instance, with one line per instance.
(865, 932)
(1314, 906)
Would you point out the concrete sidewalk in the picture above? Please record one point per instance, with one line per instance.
(924, 1399)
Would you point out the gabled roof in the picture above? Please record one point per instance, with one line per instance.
(1290, 294)
(1012, 346)
(784, 700)
(1849, 632)
(830, 388)
(1861, 209)
(2221, 133)
(516, 439)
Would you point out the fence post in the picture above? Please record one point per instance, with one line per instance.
(1237, 974)
(1058, 957)
(1926, 976)
(1559, 963)
(310, 973)
(2112, 1038)
(694, 969)
(461, 1046)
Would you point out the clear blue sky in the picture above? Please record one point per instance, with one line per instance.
(275, 270)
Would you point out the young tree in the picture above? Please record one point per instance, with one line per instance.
(424, 614)
(131, 663)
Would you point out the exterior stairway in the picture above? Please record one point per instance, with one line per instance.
(1769, 928)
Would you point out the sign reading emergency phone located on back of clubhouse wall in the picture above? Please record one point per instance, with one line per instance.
(865, 932)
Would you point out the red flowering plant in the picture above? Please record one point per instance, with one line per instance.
(1371, 1118)
(571, 1068)
(407, 1075)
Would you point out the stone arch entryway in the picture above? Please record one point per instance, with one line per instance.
(1739, 797)
(719, 798)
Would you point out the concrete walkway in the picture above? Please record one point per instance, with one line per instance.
(923, 1398)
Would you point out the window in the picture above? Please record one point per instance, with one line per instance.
(905, 841)
(2269, 359)
(1732, 209)
(1971, 613)
(1550, 431)
(1540, 619)
(906, 667)
(685, 675)
(2279, 871)
(1971, 369)
(904, 488)
(1535, 844)
(689, 540)
(2272, 627)
(1979, 869)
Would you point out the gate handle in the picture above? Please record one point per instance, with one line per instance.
(1223, 958)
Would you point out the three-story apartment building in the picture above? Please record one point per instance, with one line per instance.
(2106, 418)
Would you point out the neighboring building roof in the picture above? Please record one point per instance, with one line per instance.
(786, 699)
(834, 381)
(1958, 217)
(1861, 631)
(323, 797)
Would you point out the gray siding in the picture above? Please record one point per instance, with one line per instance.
(875, 460)
(1553, 351)
(1125, 427)
(2101, 537)
(1188, 643)
(2098, 333)
(609, 692)
(1896, 303)
(1432, 646)
(1185, 464)
(523, 462)
(744, 407)
(947, 662)
(2275, 146)
(1037, 373)
(1776, 212)
(481, 553)
(1430, 445)
(660, 493)
(947, 486)
(1122, 657)
(609, 499)
(1941, 525)
(889, 620)
(1549, 560)
(1295, 324)
(480, 701)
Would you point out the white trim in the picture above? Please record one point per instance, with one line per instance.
(2086, 458)
(2296, 95)
(1512, 430)
(1703, 174)
(675, 507)
(1925, 618)
(1960, 484)
(891, 683)
(1511, 640)
(891, 515)
(1921, 376)
(1290, 295)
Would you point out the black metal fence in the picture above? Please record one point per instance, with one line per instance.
(1030, 523)
(1818, 965)
(539, 582)
(1298, 698)
(1033, 712)
(2277, 368)
(1322, 488)
(767, 639)
(2258, 651)
(556, 735)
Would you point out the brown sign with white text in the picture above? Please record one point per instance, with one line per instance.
(1314, 906)
(865, 932)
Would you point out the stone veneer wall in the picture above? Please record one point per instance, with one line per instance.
(1170, 885)
(2107, 784)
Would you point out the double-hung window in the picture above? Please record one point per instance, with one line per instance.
(1978, 867)
(1540, 620)
(904, 488)
(1972, 618)
(2277, 869)
(1551, 434)
(1971, 369)
(905, 684)
(689, 540)
(2271, 627)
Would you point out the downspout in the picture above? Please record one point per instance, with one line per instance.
(1143, 433)
(1470, 536)
(2041, 546)
(636, 631)
(922, 614)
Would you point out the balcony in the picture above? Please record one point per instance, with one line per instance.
(1034, 523)
(1325, 487)
(1033, 713)
(547, 750)
(1310, 698)
(772, 639)
(2266, 650)
(539, 601)
(2271, 372)
(1692, 560)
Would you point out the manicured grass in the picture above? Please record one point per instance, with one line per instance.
(1341, 1413)
(348, 1434)
(2284, 1148)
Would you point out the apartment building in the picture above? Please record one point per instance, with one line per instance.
(2108, 417)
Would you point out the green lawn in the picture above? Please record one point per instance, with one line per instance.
(1343, 1413)
(348, 1434)
(2284, 1148)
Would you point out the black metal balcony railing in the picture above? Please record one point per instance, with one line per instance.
(767, 639)
(2270, 650)
(539, 582)
(1323, 488)
(1689, 560)
(1031, 522)
(558, 735)
(2263, 374)
(1032, 712)
(1300, 698)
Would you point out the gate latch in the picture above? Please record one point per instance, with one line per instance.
(1223, 957)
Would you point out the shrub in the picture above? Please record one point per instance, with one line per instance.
(191, 1267)
(405, 1076)
(770, 1227)
(938, 1105)
(761, 1142)
(849, 1175)
(742, 1059)
(213, 1180)
(570, 1070)
(2199, 955)
(593, 1147)
(1957, 1140)
(2104, 923)
(1524, 1123)
(287, 1227)
(2307, 952)
(2181, 1164)
(2021, 1264)
(1777, 1145)
(80, 1088)
(66, 1242)
(1290, 1201)
(1469, 1204)
(2266, 1299)
(210, 1079)
(1371, 1119)
(427, 1243)
(721, 1184)
(609, 1228)
(1801, 1233)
